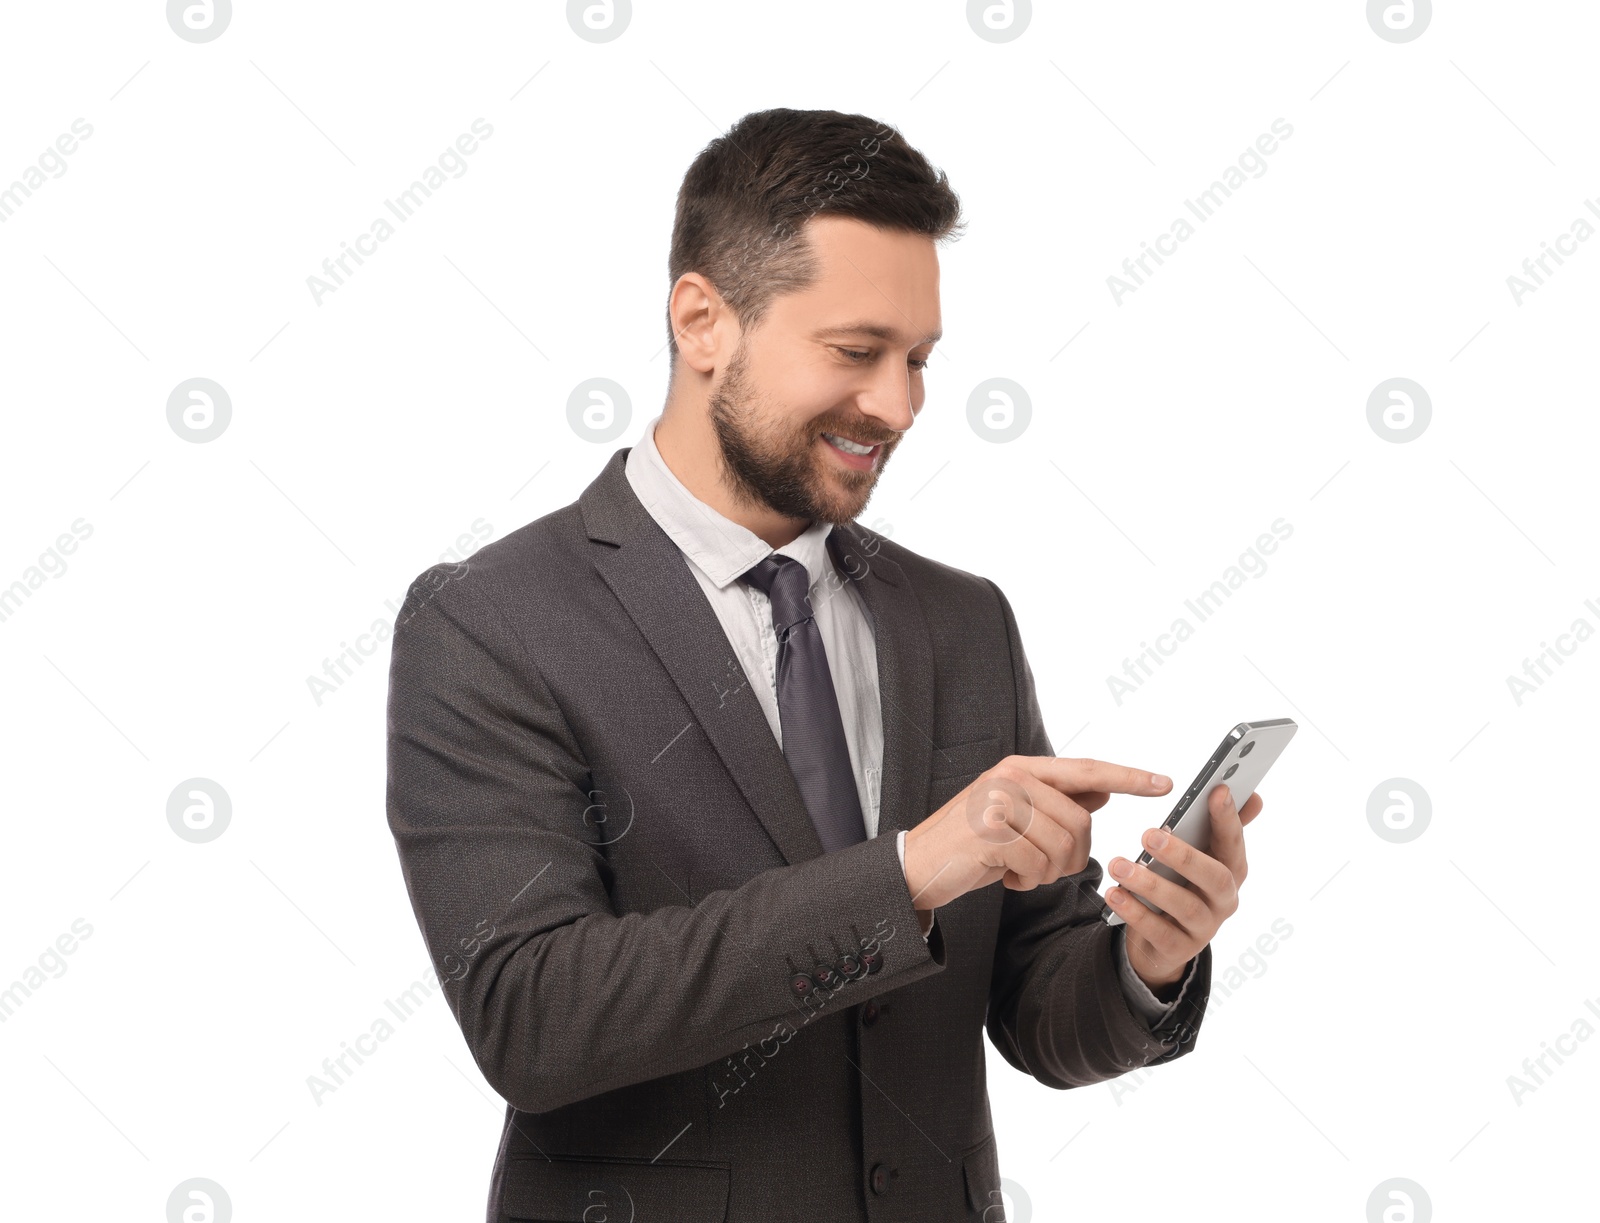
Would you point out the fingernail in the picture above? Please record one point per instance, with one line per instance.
(1119, 868)
(1157, 780)
(1156, 838)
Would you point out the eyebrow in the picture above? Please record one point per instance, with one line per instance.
(877, 330)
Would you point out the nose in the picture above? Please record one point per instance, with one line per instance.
(891, 400)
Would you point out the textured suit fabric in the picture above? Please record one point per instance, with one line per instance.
(813, 732)
(620, 889)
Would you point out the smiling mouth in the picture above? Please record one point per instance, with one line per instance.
(848, 446)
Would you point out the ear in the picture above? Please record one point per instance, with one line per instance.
(703, 326)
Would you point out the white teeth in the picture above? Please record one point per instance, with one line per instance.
(847, 445)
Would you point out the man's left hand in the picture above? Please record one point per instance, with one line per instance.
(1160, 945)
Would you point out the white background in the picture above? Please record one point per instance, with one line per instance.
(429, 392)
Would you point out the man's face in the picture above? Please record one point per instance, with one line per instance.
(842, 357)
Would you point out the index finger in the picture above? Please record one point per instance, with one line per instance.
(1227, 831)
(1073, 776)
(1091, 800)
(1251, 809)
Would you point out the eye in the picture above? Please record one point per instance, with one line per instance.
(917, 364)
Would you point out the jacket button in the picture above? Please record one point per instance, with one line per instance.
(825, 976)
(800, 984)
(869, 1014)
(873, 961)
(850, 968)
(880, 1178)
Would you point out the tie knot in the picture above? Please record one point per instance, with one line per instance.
(785, 581)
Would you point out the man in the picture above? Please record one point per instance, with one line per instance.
(730, 824)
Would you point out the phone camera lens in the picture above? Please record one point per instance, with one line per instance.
(1232, 769)
(1245, 750)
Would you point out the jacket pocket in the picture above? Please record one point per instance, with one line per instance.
(981, 1167)
(969, 758)
(582, 1190)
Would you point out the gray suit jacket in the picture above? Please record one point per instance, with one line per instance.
(693, 1013)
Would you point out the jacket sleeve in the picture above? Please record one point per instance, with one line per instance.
(1057, 1010)
(560, 997)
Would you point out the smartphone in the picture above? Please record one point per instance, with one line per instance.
(1240, 762)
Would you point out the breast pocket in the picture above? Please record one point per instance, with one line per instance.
(966, 759)
(566, 1190)
(954, 765)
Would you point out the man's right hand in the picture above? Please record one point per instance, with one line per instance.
(1025, 821)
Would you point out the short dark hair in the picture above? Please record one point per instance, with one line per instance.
(745, 199)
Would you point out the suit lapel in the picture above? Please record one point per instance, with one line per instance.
(905, 673)
(650, 578)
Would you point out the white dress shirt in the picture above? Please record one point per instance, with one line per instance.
(717, 551)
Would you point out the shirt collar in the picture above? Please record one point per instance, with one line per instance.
(720, 547)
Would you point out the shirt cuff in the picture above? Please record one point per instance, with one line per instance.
(900, 848)
(1141, 1001)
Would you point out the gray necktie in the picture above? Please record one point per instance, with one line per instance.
(808, 708)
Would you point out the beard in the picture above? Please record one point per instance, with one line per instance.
(767, 463)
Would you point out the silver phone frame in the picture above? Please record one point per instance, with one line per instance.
(1191, 821)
